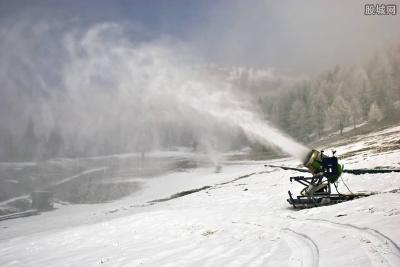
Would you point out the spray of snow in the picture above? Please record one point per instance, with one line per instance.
(137, 94)
(222, 105)
(160, 85)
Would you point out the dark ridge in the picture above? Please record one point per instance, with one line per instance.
(180, 194)
(19, 215)
(188, 192)
(366, 171)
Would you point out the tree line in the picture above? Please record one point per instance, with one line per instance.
(344, 96)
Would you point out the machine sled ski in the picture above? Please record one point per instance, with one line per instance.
(317, 189)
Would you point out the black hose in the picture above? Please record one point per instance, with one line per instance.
(344, 185)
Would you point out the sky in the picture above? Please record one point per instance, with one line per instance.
(299, 36)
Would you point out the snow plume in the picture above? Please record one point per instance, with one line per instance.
(114, 94)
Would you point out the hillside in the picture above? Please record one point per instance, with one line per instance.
(241, 219)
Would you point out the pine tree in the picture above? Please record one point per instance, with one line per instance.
(297, 118)
(339, 112)
(318, 106)
(355, 112)
(375, 114)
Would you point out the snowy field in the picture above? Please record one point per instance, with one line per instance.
(234, 222)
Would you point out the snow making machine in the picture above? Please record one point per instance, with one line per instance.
(325, 171)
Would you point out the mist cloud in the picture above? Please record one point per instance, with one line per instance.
(113, 84)
(300, 36)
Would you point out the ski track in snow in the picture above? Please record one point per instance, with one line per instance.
(305, 251)
(381, 249)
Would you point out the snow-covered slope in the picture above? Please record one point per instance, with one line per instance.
(246, 222)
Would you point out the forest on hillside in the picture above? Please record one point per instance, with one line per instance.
(344, 96)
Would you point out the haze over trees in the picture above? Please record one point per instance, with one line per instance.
(340, 97)
(305, 108)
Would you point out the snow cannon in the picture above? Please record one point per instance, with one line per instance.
(320, 164)
(325, 172)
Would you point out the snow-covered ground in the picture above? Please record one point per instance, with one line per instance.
(245, 222)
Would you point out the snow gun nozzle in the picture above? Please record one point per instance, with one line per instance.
(313, 160)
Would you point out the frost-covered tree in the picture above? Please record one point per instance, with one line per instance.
(318, 108)
(375, 114)
(339, 112)
(297, 118)
(356, 112)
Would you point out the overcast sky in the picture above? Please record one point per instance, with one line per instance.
(303, 36)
